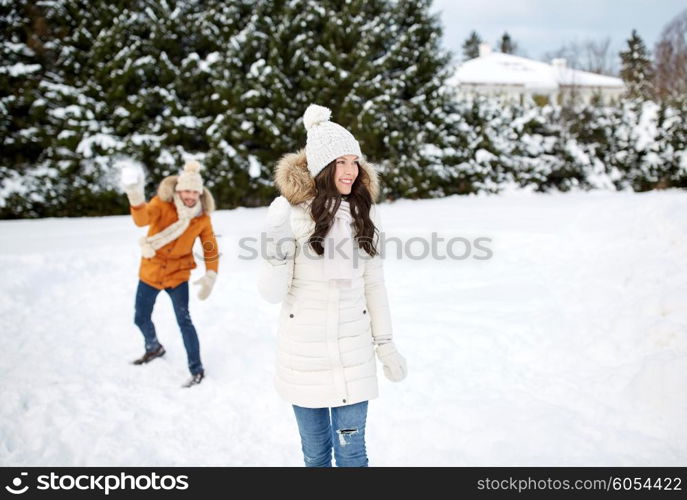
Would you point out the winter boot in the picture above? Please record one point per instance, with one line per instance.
(195, 379)
(150, 355)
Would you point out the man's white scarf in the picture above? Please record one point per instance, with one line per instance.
(339, 247)
(149, 244)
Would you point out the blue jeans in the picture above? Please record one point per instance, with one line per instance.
(145, 301)
(345, 428)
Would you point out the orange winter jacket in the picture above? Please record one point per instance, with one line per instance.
(172, 263)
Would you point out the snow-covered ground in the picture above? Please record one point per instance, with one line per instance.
(567, 347)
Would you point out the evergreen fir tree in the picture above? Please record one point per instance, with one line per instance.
(506, 44)
(637, 71)
(377, 64)
(28, 51)
(471, 46)
(233, 31)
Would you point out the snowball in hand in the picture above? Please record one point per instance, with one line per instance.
(129, 176)
(131, 173)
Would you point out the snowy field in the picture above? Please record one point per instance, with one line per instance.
(568, 347)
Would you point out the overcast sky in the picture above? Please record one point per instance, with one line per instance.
(540, 26)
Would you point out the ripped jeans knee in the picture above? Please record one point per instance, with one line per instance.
(345, 435)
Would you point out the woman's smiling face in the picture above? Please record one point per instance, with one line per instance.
(346, 173)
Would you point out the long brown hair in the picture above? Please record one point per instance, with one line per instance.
(326, 203)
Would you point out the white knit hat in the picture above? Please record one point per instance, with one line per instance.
(326, 140)
(190, 179)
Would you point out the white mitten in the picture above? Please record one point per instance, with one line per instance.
(206, 283)
(278, 229)
(147, 249)
(132, 182)
(394, 364)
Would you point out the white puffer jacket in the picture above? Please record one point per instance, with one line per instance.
(326, 334)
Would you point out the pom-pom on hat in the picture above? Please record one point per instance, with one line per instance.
(326, 140)
(190, 178)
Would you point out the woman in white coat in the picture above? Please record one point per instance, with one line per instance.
(322, 262)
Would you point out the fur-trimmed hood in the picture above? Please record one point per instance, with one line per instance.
(293, 179)
(165, 192)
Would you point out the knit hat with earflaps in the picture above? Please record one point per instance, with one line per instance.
(190, 178)
(326, 140)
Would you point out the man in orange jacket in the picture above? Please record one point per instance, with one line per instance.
(178, 215)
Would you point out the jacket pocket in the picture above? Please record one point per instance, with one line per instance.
(187, 262)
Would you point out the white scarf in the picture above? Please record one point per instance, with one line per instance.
(149, 244)
(338, 256)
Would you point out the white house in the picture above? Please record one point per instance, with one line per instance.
(494, 73)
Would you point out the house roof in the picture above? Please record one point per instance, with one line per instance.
(505, 69)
